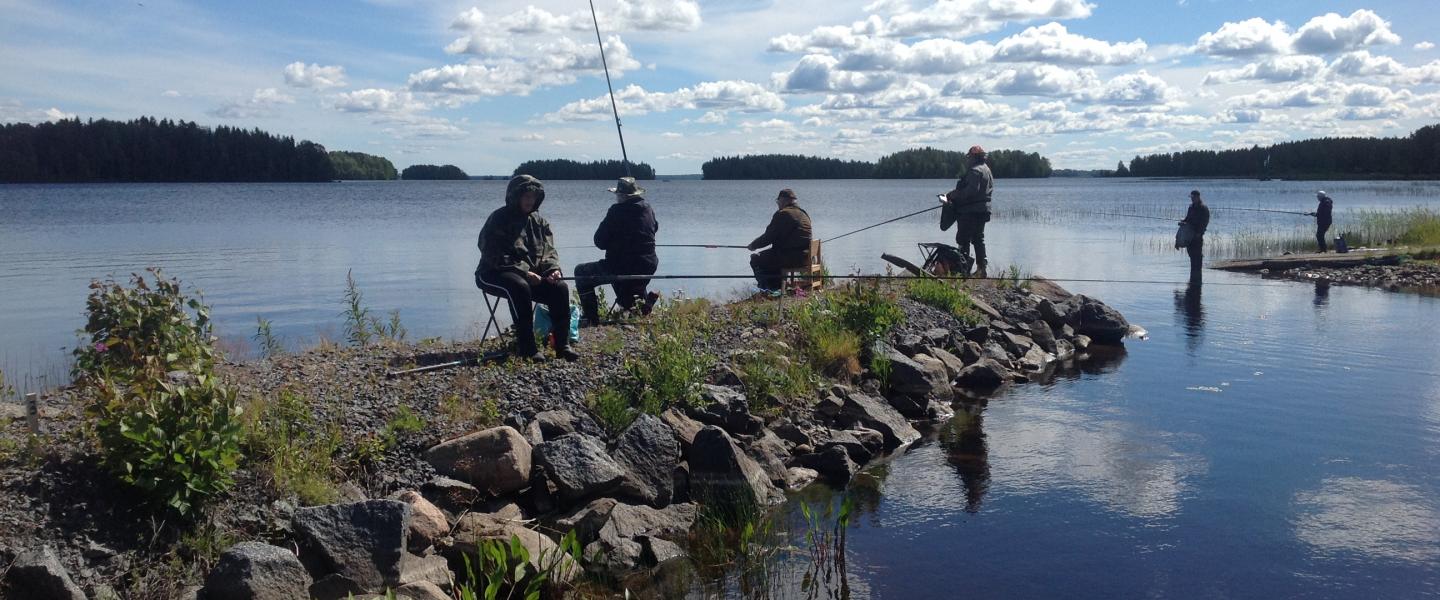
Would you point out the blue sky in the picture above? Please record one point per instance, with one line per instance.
(486, 85)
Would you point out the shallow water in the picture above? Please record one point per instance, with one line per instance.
(1269, 439)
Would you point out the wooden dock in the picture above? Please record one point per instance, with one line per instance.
(1294, 261)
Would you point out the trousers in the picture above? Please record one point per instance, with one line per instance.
(521, 294)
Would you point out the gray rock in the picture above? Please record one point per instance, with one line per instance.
(578, 466)
(683, 427)
(984, 374)
(937, 337)
(39, 575)
(432, 569)
(788, 431)
(555, 423)
(829, 407)
(860, 451)
(797, 478)
(1067, 332)
(648, 453)
(587, 520)
(619, 546)
(1016, 344)
(658, 551)
(920, 375)
(1081, 341)
(1064, 350)
(769, 452)
(1103, 324)
(970, 352)
(1044, 337)
(474, 529)
(427, 522)
(1035, 359)
(422, 590)
(335, 587)
(362, 541)
(978, 334)
(833, 463)
(994, 351)
(450, 494)
(496, 460)
(721, 473)
(877, 414)
(728, 409)
(984, 308)
(952, 363)
(910, 344)
(256, 571)
(1051, 313)
(912, 407)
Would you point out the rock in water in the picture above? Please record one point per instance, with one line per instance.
(833, 463)
(877, 414)
(984, 374)
(1044, 336)
(721, 473)
(361, 541)
(1103, 324)
(38, 574)
(579, 466)
(952, 363)
(495, 460)
(256, 571)
(648, 453)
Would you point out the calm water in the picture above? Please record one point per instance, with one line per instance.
(1270, 439)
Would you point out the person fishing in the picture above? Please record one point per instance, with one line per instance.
(518, 262)
(627, 235)
(1322, 218)
(1197, 218)
(968, 208)
(788, 238)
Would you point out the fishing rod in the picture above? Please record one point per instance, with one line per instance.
(1135, 216)
(918, 212)
(912, 278)
(710, 246)
(1283, 212)
(625, 158)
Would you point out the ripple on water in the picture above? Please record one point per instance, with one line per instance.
(1376, 518)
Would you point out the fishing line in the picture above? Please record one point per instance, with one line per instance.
(709, 246)
(1283, 212)
(625, 158)
(912, 278)
(1134, 216)
(918, 212)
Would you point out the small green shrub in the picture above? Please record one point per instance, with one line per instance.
(865, 309)
(612, 409)
(371, 447)
(669, 373)
(138, 334)
(769, 374)
(945, 296)
(505, 570)
(270, 346)
(881, 367)
(296, 451)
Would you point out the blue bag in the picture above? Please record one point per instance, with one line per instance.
(543, 324)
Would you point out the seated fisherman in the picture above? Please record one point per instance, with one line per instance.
(627, 235)
(788, 238)
(518, 262)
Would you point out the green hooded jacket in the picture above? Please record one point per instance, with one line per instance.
(971, 196)
(513, 241)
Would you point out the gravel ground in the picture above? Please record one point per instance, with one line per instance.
(1415, 276)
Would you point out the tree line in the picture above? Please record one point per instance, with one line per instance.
(571, 169)
(916, 163)
(1416, 155)
(149, 149)
(432, 172)
(361, 166)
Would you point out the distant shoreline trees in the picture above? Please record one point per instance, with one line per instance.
(916, 163)
(359, 166)
(432, 172)
(1414, 156)
(562, 168)
(153, 150)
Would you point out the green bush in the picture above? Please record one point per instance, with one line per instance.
(296, 451)
(945, 296)
(175, 438)
(612, 409)
(865, 309)
(504, 569)
(770, 374)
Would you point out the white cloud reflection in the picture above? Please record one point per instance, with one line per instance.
(1377, 518)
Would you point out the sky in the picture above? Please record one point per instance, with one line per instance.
(487, 85)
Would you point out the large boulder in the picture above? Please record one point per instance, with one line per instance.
(952, 363)
(875, 413)
(984, 374)
(1016, 344)
(361, 541)
(1097, 320)
(256, 571)
(587, 520)
(495, 460)
(919, 375)
(620, 544)
(728, 409)
(770, 453)
(683, 427)
(579, 466)
(38, 574)
(1035, 359)
(648, 453)
(833, 463)
(721, 473)
(432, 568)
(422, 590)
(1044, 336)
(451, 494)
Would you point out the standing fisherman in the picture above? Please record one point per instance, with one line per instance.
(627, 235)
(518, 262)
(788, 238)
(1322, 218)
(1198, 219)
(968, 207)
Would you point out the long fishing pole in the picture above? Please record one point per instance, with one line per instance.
(712, 246)
(1106, 214)
(911, 278)
(625, 158)
(1283, 212)
(918, 212)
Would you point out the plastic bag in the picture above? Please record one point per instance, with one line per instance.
(543, 324)
(1184, 236)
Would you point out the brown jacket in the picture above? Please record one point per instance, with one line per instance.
(788, 234)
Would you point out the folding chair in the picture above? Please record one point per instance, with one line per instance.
(811, 275)
(492, 303)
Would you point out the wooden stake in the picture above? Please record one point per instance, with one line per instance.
(32, 412)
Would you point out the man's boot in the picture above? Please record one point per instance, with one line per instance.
(980, 269)
(589, 310)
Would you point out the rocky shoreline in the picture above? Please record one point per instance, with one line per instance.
(436, 464)
(1413, 276)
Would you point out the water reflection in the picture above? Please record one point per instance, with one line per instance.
(1322, 293)
(963, 439)
(1191, 314)
(1377, 518)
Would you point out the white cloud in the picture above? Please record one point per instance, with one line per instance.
(1132, 89)
(1361, 63)
(1030, 80)
(12, 111)
(301, 75)
(1423, 46)
(1291, 97)
(529, 137)
(1251, 37)
(1277, 69)
(1052, 43)
(170, 94)
(557, 62)
(962, 18)
(712, 96)
(959, 109)
(656, 15)
(375, 100)
(1240, 115)
(469, 20)
(820, 73)
(1331, 32)
(927, 57)
(1427, 73)
(1362, 94)
(263, 103)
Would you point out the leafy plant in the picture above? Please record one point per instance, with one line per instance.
(770, 374)
(945, 296)
(357, 315)
(829, 346)
(265, 337)
(862, 307)
(504, 569)
(296, 451)
(612, 409)
(881, 367)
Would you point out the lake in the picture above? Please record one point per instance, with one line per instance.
(1268, 439)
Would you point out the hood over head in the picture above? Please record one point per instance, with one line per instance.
(520, 184)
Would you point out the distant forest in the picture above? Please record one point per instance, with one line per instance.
(361, 166)
(1414, 156)
(147, 149)
(432, 172)
(571, 169)
(916, 163)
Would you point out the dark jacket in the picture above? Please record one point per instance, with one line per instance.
(627, 235)
(1322, 212)
(512, 241)
(1198, 218)
(788, 234)
(971, 196)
